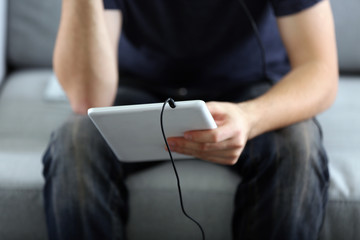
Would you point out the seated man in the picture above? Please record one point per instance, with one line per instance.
(263, 85)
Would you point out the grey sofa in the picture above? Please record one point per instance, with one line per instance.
(32, 105)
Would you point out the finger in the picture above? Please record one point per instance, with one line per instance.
(222, 161)
(222, 133)
(214, 107)
(226, 154)
(231, 148)
(216, 111)
(227, 157)
(229, 144)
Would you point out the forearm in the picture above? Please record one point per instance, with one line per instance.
(84, 57)
(306, 91)
(311, 85)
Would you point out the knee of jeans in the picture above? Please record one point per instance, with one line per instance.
(302, 141)
(69, 147)
(297, 149)
(301, 151)
(78, 164)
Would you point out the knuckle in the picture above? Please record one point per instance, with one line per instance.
(205, 147)
(238, 145)
(215, 137)
(179, 144)
(234, 156)
(233, 161)
(237, 132)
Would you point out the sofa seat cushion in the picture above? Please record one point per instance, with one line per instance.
(27, 119)
(208, 191)
(341, 125)
(21, 201)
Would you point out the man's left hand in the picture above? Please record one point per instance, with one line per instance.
(221, 145)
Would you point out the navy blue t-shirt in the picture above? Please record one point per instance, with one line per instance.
(206, 45)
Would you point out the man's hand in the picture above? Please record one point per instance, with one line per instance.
(221, 145)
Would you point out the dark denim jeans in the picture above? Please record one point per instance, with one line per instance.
(282, 194)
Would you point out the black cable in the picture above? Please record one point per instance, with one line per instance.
(258, 39)
(172, 105)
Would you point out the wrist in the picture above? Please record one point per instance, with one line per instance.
(251, 111)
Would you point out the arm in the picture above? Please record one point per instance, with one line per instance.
(311, 85)
(85, 56)
(309, 88)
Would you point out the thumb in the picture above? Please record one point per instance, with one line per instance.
(216, 110)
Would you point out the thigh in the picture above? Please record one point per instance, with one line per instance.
(284, 184)
(85, 195)
(77, 151)
(295, 151)
(79, 140)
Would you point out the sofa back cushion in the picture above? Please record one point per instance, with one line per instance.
(347, 20)
(32, 29)
(3, 18)
(33, 26)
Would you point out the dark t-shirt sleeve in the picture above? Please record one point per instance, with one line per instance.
(112, 4)
(287, 7)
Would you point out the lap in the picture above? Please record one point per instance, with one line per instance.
(294, 148)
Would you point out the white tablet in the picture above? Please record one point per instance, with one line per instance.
(133, 131)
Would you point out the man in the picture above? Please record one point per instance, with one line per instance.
(263, 101)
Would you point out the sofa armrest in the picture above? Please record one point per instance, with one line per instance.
(3, 24)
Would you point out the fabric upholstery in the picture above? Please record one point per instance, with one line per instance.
(347, 19)
(340, 123)
(24, 136)
(3, 21)
(26, 122)
(154, 191)
(341, 137)
(342, 221)
(32, 31)
(24, 15)
(26, 119)
(54, 91)
(22, 214)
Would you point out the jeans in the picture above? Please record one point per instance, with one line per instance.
(282, 195)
